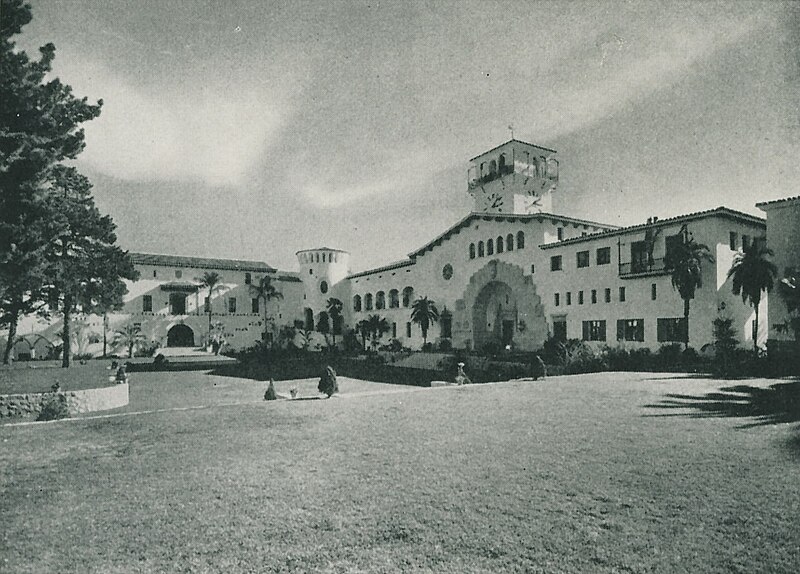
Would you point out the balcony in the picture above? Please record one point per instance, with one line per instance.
(643, 268)
(501, 171)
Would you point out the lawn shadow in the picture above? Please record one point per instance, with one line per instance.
(778, 403)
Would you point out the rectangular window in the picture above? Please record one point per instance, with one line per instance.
(232, 305)
(206, 305)
(653, 291)
(533, 268)
(745, 242)
(147, 304)
(622, 294)
(560, 233)
(582, 259)
(604, 256)
(608, 295)
(638, 256)
(672, 245)
(394, 330)
(580, 297)
(248, 279)
(408, 330)
(594, 330)
(557, 299)
(155, 273)
(630, 330)
(569, 297)
(178, 274)
(255, 305)
(733, 241)
(594, 296)
(671, 330)
(555, 263)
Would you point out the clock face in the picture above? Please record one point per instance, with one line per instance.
(493, 202)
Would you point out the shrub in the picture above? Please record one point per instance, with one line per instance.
(54, 406)
(327, 383)
(160, 360)
(82, 356)
(427, 347)
(445, 345)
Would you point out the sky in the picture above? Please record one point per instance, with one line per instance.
(254, 129)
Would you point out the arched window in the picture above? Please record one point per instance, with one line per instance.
(480, 248)
(500, 244)
(408, 296)
(542, 167)
(510, 242)
(368, 302)
(520, 240)
(309, 323)
(323, 258)
(357, 303)
(472, 251)
(492, 167)
(317, 257)
(380, 300)
(483, 169)
(394, 299)
(490, 247)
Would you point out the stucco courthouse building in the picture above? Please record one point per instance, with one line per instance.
(510, 272)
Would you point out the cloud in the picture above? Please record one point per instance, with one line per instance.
(194, 134)
(617, 70)
(326, 188)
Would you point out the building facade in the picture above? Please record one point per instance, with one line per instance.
(510, 273)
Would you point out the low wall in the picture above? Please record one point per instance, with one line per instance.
(85, 401)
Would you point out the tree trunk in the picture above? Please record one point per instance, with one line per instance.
(66, 350)
(12, 334)
(686, 321)
(105, 334)
(755, 331)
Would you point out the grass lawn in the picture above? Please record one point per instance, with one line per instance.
(596, 473)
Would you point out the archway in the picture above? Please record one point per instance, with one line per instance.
(180, 336)
(500, 306)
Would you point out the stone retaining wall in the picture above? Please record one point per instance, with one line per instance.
(85, 401)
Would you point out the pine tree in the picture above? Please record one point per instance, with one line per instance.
(84, 263)
(39, 127)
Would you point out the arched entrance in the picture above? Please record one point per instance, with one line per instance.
(180, 336)
(494, 315)
(500, 306)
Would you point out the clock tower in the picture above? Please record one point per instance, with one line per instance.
(515, 177)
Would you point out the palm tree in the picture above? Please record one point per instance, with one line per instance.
(335, 307)
(753, 273)
(423, 313)
(265, 291)
(684, 261)
(130, 336)
(362, 328)
(213, 282)
(377, 327)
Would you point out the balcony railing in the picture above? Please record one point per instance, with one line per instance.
(501, 171)
(646, 267)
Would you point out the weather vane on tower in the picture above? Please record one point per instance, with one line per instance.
(511, 129)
